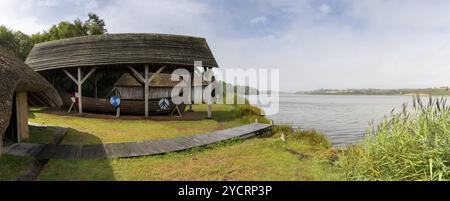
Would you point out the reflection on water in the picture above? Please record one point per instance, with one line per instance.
(344, 119)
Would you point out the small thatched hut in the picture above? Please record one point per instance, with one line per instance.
(130, 88)
(19, 83)
(87, 60)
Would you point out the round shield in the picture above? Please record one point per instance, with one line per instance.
(74, 97)
(164, 103)
(115, 101)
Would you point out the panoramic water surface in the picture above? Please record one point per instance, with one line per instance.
(344, 119)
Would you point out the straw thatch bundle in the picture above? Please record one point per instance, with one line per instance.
(15, 76)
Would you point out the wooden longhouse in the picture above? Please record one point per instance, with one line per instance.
(142, 57)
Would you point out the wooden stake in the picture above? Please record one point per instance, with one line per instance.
(209, 111)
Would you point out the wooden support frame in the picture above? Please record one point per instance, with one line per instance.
(70, 76)
(146, 83)
(80, 91)
(79, 82)
(146, 80)
(177, 109)
(142, 78)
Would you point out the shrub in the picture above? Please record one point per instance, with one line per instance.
(243, 110)
(311, 136)
(282, 129)
(409, 145)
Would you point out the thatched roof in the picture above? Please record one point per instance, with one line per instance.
(127, 80)
(121, 49)
(15, 76)
(161, 80)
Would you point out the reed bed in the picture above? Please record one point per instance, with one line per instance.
(411, 144)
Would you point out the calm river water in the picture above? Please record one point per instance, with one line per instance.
(344, 119)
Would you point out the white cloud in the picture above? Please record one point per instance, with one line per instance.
(31, 16)
(384, 44)
(324, 10)
(179, 17)
(48, 3)
(258, 20)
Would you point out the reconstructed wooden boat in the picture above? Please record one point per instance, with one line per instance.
(130, 107)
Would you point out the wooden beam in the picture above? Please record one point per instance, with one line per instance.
(137, 74)
(70, 76)
(156, 73)
(80, 95)
(146, 83)
(88, 75)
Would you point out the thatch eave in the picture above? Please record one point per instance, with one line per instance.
(121, 49)
(18, 77)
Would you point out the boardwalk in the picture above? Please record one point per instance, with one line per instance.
(133, 149)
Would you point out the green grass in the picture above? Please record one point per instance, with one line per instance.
(12, 167)
(254, 159)
(40, 135)
(405, 146)
(263, 158)
(93, 131)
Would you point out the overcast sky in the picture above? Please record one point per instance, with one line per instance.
(315, 44)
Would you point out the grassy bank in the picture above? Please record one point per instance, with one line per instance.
(408, 145)
(305, 155)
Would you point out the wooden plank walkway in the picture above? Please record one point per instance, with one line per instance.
(133, 149)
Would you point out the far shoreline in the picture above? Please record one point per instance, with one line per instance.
(409, 94)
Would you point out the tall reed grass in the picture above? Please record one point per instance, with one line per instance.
(412, 144)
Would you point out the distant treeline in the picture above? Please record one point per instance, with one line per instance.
(428, 91)
(21, 44)
(247, 89)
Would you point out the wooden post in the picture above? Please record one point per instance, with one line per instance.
(95, 85)
(191, 90)
(80, 95)
(209, 111)
(22, 115)
(79, 81)
(146, 80)
(146, 83)
(118, 112)
(210, 99)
